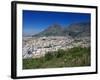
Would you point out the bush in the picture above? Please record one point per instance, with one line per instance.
(31, 63)
(49, 55)
(60, 53)
(73, 57)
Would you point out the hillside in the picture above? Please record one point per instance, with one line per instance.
(73, 30)
(78, 30)
(74, 57)
(55, 30)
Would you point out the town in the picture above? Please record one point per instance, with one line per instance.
(36, 47)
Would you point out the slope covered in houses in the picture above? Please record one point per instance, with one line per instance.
(56, 37)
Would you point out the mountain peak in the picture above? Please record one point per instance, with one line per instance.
(53, 30)
(73, 30)
(54, 26)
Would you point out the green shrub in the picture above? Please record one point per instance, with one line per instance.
(49, 55)
(73, 57)
(31, 63)
(60, 53)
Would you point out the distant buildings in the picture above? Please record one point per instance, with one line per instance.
(36, 47)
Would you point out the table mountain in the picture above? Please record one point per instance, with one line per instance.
(74, 30)
(53, 30)
(78, 29)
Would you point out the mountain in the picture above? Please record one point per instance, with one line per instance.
(73, 30)
(78, 29)
(53, 30)
(26, 35)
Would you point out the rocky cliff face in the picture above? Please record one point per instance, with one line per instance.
(78, 30)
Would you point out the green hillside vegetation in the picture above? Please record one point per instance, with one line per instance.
(74, 57)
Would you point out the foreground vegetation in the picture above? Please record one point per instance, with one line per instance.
(73, 57)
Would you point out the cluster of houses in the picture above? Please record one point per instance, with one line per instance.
(38, 47)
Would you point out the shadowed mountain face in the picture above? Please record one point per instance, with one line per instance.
(73, 30)
(78, 30)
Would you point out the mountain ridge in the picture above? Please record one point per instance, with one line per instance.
(74, 30)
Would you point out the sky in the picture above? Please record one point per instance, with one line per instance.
(36, 21)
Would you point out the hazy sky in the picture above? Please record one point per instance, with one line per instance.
(37, 21)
